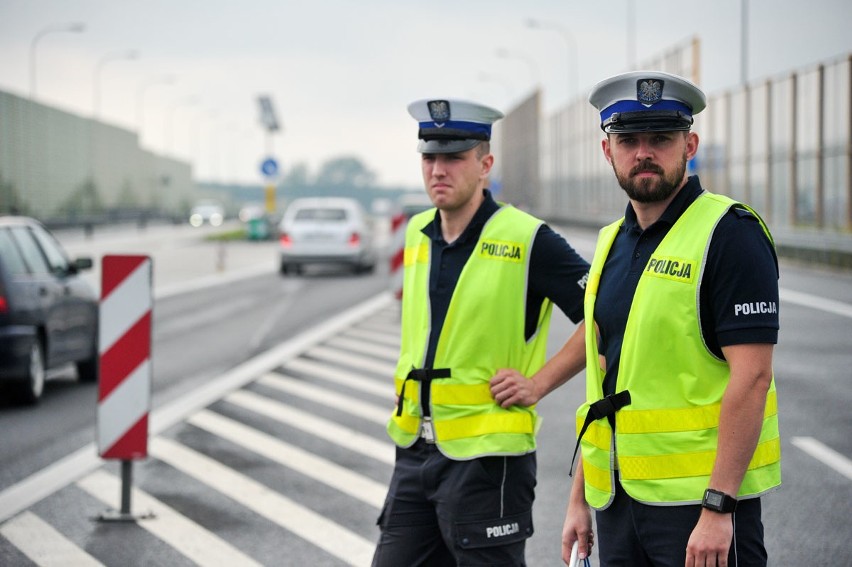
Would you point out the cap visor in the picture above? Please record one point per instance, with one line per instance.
(446, 146)
(646, 127)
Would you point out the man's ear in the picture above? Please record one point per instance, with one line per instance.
(606, 149)
(691, 144)
(487, 163)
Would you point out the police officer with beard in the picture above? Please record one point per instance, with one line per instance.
(480, 280)
(679, 434)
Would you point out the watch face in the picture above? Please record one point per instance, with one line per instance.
(713, 499)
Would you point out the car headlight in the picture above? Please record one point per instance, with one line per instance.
(196, 220)
(216, 219)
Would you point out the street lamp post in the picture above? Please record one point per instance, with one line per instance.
(743, 42)
(534, 73)
(568, 37)
(140, 97)
(112, 56)
(75, 27)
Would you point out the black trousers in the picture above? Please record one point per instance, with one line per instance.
(440, 512)
(632, 534)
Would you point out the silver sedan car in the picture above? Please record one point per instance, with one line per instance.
(326, 230)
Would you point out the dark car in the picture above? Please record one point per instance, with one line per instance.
(48, 312)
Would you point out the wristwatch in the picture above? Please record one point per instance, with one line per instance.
(719, 501)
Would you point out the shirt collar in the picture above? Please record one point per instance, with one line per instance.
(675, 209)
(488, 207)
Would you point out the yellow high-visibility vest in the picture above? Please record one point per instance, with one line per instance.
(666, 437)
(483, 332)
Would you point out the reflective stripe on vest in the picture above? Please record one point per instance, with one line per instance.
(666, 438)
(467, 421)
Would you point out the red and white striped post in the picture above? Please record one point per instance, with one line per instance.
(397, 249)
(124, 386)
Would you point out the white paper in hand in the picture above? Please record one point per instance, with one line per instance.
(574, 561)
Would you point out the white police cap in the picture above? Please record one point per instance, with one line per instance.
(646, 101)
(450, 125)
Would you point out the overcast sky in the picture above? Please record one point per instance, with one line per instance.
(341, 72)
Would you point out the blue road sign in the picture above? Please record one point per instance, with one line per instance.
(269, 167)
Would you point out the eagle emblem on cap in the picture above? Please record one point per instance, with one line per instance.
(649, 91)
(439, 110)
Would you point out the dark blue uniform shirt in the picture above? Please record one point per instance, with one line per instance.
(741, 269)
(556, 272)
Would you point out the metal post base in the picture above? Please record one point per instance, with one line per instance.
(124, 514)
(118, 516)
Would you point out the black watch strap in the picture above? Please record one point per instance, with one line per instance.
(719, 501)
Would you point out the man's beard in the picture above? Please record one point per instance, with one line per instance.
(651, 189)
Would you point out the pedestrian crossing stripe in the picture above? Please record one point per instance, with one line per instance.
(342, 376)
(353, 361)
(43, 544)
(185, 536)
(325, 534)
(333, 475)
(330, 431)
(366, 372)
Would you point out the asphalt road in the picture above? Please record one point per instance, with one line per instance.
(267, 439)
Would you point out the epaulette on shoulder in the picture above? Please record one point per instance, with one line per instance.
(742, 212)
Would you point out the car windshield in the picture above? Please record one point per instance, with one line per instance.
(320, 215)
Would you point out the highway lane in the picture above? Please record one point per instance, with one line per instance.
(813, 365)
(202, 326)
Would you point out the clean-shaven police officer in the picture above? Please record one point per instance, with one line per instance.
(480, 280)
(679, 433)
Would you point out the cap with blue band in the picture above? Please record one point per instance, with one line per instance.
(646, 101)
(451, 125)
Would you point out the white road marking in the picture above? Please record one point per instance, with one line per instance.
(328, 397)
(30, 490)
(295, 458)
(45, 546)
(824, 454)
(350, 360)
(362, 347)
(190, 539)
(814, 302)
(388, 339)
(344, 544)
(343, 376)
(318, 427)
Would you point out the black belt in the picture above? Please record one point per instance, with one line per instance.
(421, 375)
(604, 407)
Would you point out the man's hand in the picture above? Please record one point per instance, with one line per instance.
(711, 540)
(578, 520)
(510, 387)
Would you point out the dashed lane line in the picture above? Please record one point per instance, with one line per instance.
(814, 302)
(824, 454)
(188, 538)
(43, 545)
(327, 535)
(294, 458)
